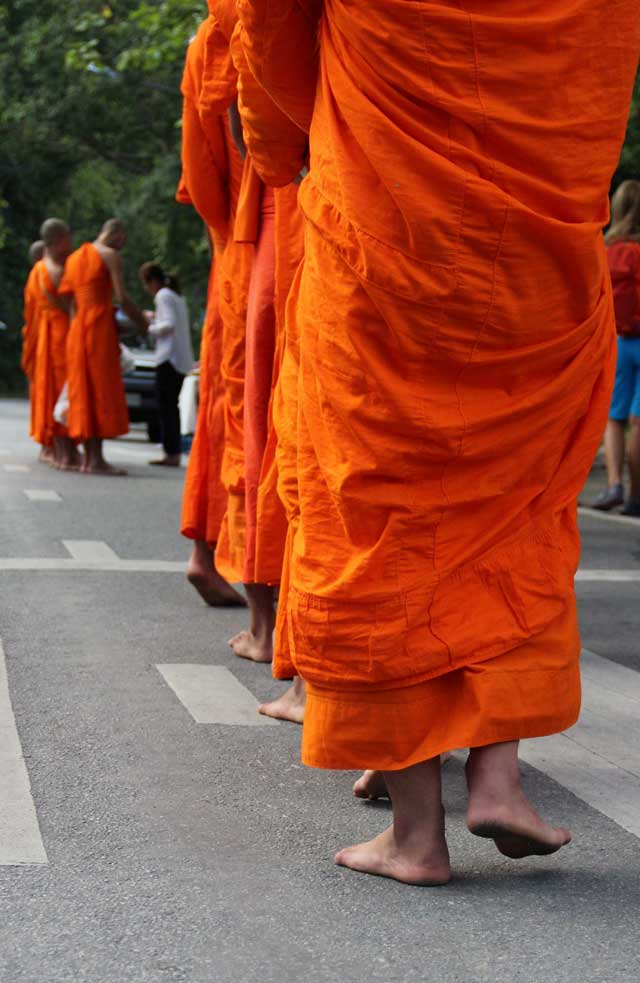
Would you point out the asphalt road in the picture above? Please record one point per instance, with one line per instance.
(138, 845)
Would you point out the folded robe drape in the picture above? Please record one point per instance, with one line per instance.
(454, 326)
(97, 405)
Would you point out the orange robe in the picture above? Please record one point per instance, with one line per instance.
(97, 405)
(278, 249)
(30, 337)
(204, 184)
(455, 337)
(50, 364)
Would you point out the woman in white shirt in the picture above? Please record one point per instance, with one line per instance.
(169, 325)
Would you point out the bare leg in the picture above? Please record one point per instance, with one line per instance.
(614, 451)
(257, 643)
(371, 784)
(289, 706)
(212, 588)
(414, 849)
(498, 808)
(94, 462)
(70, 459)
(633, 449)
(46, 455)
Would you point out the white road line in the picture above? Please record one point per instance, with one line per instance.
(599, 759)
(609, 517)
(16, 468)
(610, 675)
(89, 550)
(213, 695)
(20, 839)
(105, 566)
(42, 495)
(611, 576)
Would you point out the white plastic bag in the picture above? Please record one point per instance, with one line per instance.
(61, 409)
(127, 360)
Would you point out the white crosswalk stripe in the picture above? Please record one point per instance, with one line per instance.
(20, 839)
(213, 695)
(42, 495)
(92, 551)
(16, 468)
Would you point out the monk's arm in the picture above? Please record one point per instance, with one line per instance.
(124, 301)
(277, 146)
(28, 335)
(204, 168)
(280, 43)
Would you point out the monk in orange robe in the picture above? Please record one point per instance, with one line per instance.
(277, 149)
(97, 407)
(50, 366)
(456, 353)
(207, 157)
(30, 337)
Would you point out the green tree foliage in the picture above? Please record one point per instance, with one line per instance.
(90, 111)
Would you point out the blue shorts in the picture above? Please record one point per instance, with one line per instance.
(626, 391)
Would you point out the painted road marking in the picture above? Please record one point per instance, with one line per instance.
(213, 695)
(609, 516)
(97, 556)
(42, 495)
(16, 468)
(612, 576)
(599, 759)
(20, 839)
(89, 550)
(102, 566)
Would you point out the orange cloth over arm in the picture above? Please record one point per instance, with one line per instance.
(30, 329)
(276, 145)
(455, 335)
(97, 404)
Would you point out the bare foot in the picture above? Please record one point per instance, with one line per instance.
(246, 645)
(499, 810)
(46, 455)
(289, 706)
(371, 785)
(169, 461)
(212, 588)
(104, 469)
(424, 864)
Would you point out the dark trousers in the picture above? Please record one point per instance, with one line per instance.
(168, 386)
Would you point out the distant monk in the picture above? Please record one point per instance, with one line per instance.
(456, 355)
(30, 336)
(50, 371)
(97, 406)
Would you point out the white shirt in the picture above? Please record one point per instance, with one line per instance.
(170, 328)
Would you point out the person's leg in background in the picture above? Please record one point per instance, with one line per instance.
(168, 386)
(615, 432)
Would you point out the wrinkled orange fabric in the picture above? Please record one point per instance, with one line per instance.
(455, 335)
(275, 157)
(50, 367)
(97, 405)
(218, 88)
(30, 338)
(204, 184)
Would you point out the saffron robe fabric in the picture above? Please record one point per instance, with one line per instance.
(455, 334)
(204, 184)
(50, 363)
(30, 337)
(97, 405)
